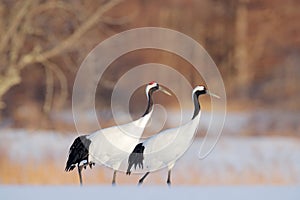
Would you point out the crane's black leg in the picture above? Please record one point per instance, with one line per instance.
(169, 178)
(114, 178)
(79, 173)
(142, 179)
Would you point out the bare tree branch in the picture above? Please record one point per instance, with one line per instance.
(19, 38)
(7, 80)
(23, 10)
(71, 40)
(62, 79)
(119, 21)
(14, 38)
(50, 5)
(49, 90)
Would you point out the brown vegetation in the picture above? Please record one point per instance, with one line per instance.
(255, 44)
(51, 173)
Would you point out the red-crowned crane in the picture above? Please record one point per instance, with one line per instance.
(110, 146)
(166, 147)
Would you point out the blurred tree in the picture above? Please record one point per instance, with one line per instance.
(255, 44)
(32, 34)
(241, 48)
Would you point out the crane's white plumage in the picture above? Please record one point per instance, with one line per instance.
(165, 148)
(110, 146)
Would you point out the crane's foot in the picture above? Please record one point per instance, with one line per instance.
(143, 178)
(113, 182)
(169, 178)
(169, 183)
(140, 182)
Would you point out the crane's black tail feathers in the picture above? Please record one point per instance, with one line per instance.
(79, 151)
(136, 158)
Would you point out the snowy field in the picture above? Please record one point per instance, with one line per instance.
(257, 122)
(238, 168)
(39, 158)
(148, 193)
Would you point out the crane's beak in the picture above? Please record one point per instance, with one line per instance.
(212, 94)
(164, 90)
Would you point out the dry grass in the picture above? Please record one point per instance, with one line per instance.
(49, 172)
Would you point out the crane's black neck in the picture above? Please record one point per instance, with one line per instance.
(150, 101)
(196, 104)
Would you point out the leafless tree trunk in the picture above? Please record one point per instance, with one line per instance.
(18, 27)
(241, 63)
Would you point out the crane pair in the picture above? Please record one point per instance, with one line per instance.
(113, 145)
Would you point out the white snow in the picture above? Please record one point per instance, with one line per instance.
(36, 145)
(257, 122)
(148, 193)
(234, 159)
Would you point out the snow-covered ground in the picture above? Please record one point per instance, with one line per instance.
(257, 122)
(149, 193)
(235, 160)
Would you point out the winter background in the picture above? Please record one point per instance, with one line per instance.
(255, 44)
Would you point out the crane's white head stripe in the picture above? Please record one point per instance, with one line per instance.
(150, 85)
(199, 88)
